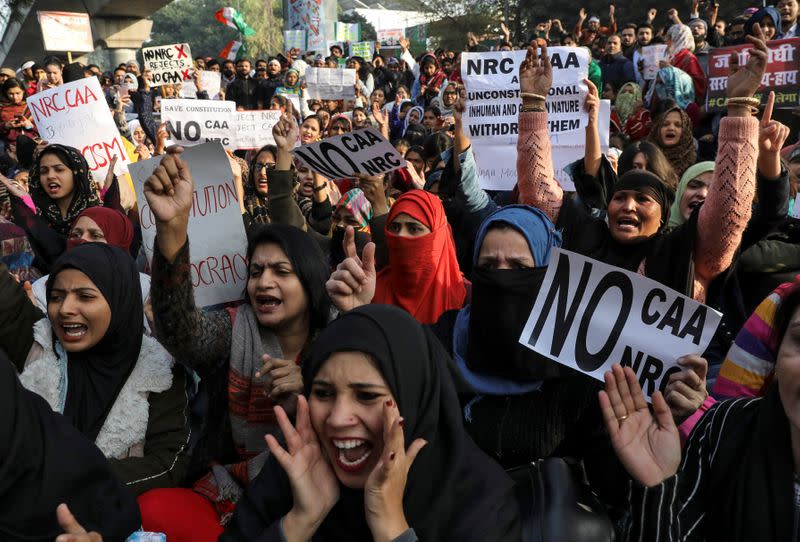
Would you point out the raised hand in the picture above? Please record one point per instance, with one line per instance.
(460, 105)
(648, 445)
(286, 133)
(592, 103)
(109, 180)
(611, 11)
(13, 187)
(672, 15)
(535, 72)
(744, 81)
(504, 29)
(72, 529)
(772, 134)
(651, 14)
(373, 189)
(352, 284)
(283, 382)
(169, 189)
(686, 390)
(379, 114)
(383, 492)
(582, 14)
(404, 43)
(315, 489)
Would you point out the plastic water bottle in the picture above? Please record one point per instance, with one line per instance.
(142, 536)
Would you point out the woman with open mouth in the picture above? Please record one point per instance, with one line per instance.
(92, 361)
(672, 133)
(249, 357)
(378, 450)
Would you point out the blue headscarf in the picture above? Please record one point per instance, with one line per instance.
(542, 236)
(759, 16)
(674, 83)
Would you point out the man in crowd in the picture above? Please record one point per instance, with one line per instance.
(267, 86)
(628, 37)
(586, 36)
(228, 72)
(243, 88)
(788, 12)
(617, 69)
(735, 32)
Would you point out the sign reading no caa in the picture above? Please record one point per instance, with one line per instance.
(589, 315)
(168, 63)
(348, 155)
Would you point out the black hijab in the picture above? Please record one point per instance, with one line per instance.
(44, 461)
(96, 376)
(84, 193)
(454, 491)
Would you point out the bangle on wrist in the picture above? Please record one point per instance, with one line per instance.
(744, 101)
(532, 108)
(533, 95)
(320, 188)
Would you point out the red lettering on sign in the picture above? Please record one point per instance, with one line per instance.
(181, 52)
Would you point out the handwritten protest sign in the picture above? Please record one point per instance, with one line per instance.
(294, 39)
(781, 75)
(347, 155)
(76, 114)
(331, 84)
(210, 81)
(168, 64)
(192, 122)
(390, 38)
(66, 31)
(253, 129)
(589, 315)
(652, 55)
(216, 231)
(493, 102)
(347, 31)
(364, 49)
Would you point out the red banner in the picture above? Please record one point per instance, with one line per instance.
(781, 76)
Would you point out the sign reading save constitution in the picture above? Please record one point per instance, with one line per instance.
(168, 63)
(218, 263)
(347, 155)
(589, 315)
(76, 114)
(493, 102)
(192, 122)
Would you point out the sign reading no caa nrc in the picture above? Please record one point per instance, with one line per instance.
(589, 315)
(347, 155)
(493, 101)
(168, 63)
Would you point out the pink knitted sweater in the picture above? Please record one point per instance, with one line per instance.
(723, 216)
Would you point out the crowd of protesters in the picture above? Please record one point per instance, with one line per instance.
(371, 384)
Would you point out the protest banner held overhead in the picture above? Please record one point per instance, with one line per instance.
(347, 155)
(76, 114)
(218, 262)
(168, 64)
(253, 129)
(347, 31)
(492, 110)
(390, 38)
(294, 39)
(331, 84)
(210, 81)
(783, 64)
(652, 55)
(193, 122)
(364, 49)
(66, 31)
(589, 315)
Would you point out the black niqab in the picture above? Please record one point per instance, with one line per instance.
(96, 376)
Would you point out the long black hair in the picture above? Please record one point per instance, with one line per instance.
(308, 263)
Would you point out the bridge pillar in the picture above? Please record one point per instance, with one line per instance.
(121, 37)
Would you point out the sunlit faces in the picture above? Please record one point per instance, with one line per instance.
(429, 68)
(671, 130)
(768, 26)
(55, 177)
(430, 120)
(378, 97)
(138, 135)
(404, 225)
(413, 117)
(787, 10)
(310, 130)
(275, 290)
(633, 216)
(628, 36)
(640, 161)
(416, 160)
(291, 78)
(505, 248)
(644, 35)
(15, 95)
(338, 126)
(87, 230)
(348, 396)
(53, 74)
(78, 312)
(613, 45)
(343, 217)
(306, 179)
(698, 29)
(265, 162)
(359, 118)
(695, 193)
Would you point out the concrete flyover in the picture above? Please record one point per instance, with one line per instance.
(118, 27)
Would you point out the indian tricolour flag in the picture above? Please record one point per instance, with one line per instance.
(233, 51)
(231, 17)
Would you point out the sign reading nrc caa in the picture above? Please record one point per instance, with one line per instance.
(168, 63)
(363, 151)
(589, 315)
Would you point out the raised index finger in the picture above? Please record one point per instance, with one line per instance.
(349, 243)
(767, 117)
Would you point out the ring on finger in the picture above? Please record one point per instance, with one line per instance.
(622, 418)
